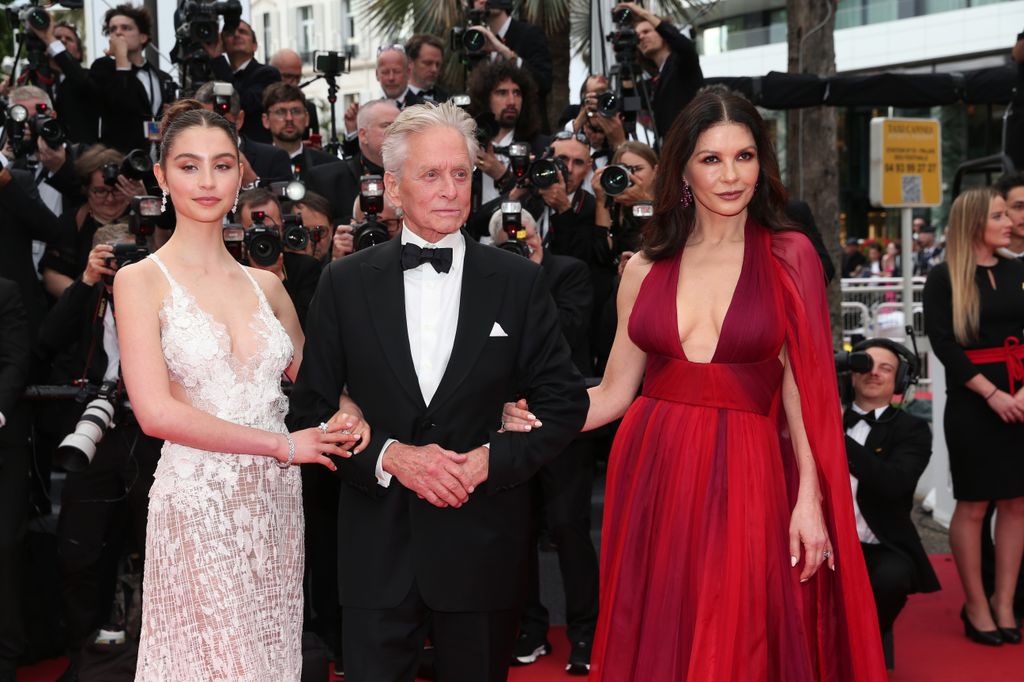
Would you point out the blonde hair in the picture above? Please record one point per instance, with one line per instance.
(968, 217)
(418, 118)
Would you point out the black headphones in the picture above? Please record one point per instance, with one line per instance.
(909, 369)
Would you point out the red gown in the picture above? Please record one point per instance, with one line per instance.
(696, 582)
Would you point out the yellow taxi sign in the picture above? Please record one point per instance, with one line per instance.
(906, 162)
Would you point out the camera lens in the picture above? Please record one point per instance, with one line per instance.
(264, 249)
(473, 41)
(615, 180)
(544, 173)
(607, 103)
(296, 238)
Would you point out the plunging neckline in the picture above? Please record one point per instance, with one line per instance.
(729, 308)
(219, 329)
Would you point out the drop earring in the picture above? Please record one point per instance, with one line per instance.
(234, 207)
(163, 203)
(687, 196)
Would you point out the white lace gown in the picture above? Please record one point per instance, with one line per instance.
(222, 590)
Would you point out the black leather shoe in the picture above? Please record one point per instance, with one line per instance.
(986, 637)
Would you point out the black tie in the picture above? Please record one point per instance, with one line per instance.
(852, 417)
(427, 94)
(413, 257)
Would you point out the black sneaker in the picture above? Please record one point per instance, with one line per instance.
(529, 648)
(579, 659)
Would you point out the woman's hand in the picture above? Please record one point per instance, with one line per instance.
(807, 530)
(349, 420)
(517, 418)
(1009, 410)
(313, 445)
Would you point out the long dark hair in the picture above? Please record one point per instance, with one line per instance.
(486, 77)
(672, 224)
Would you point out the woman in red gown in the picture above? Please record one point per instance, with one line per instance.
(728, 487)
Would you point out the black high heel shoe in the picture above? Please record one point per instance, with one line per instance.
(1009, 635)
(986, 637)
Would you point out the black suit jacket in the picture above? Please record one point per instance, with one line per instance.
(309, 159)
(124, 103)
(679, 79)
(569, 281)
(75, 99)
(339, 183)
(15, 353)
(468, 559)
(303, 274)
(270, 163)
(249, 84)
(887, 468)
(531, 45)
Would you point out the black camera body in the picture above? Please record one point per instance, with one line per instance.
(547, 171)
(136, 165)
(234, 241)
(294, 235)
(23, 128)
(370, 231)
(331, 63)
(468, 42)
(512, 226)
(110, 171)
(519, 160)
(262, 241)
(44, 126)
(615, 179)
(201, 23)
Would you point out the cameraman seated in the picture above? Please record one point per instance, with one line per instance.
(519, 43)
(887, 450)
(298, 272)
(104, 505)
(131, 90)
(503, 99)
(262, 164)
(286, 118)
(315, 212)
(108, 195)
(234, 61)
(73, 93)
(348, 237)
(339, 182)
(563, 486)
(675, 57)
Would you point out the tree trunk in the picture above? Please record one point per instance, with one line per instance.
(558, 98)
(812, 155)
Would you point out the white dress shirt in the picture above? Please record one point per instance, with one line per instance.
(859, 432)
(431, 317)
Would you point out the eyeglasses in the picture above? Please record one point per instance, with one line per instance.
(294, 112)
(579, 136)
(103, 192)
(397, 47)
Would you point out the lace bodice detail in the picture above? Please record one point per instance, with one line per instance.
(198, 352)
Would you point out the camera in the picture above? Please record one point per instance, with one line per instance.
(546, 171)
(143, 215)
(487, 129)
(234, 241)
(467, 41)
(512, 225)
(290, 190)
(519, 159)
(370, 231)
(222, 94)
(200, 23)
(855, 361)
(262, 241)
(137, 165)
(294, 235)
(615, 179)
(47, 127)
(643, 211)
(78, 448)
(110, 171)
(331, 62)
(23, 129)
(608, 104)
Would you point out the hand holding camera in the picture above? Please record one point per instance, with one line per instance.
(488, 162)
(555, 194)
(51, 159)
(99, 265)
(344, 242)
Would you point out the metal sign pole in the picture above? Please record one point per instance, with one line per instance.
(907, 249)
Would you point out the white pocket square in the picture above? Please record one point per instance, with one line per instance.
(496, 330)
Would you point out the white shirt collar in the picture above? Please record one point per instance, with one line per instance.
(244, 65)
(504, 27)
(454, 241)
(878, 410)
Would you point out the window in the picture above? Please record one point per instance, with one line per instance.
(267, 37)
(304, 25)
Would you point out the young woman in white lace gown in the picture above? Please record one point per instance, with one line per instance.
(204, 342)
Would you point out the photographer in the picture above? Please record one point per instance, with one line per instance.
(674, 57)
(130, 89)
(426, 55)
(518, 43)
(347, 237)
(107, 197)
(15, 461)
(887, 450)
(73, 92)
(503, 100)
(234, 61)
(315, 212)
(562, 487)
(286, 118)
(339, 182)
(104, 505)
(615, 213)
(289, 64)
(262, 164)
(299, 272)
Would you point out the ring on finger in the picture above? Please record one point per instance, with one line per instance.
(826, 554)
(323, 427)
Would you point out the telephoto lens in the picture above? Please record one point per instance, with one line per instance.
(137, 165)
(615, 180)
(78, 448)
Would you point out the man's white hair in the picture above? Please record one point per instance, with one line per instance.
(421, 117)
(366, 111)
(498, 234)
(24, 93)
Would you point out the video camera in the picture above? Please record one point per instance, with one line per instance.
(370, 231)
(512, 226)
(77, 450)
(29, 15)
(196, 24)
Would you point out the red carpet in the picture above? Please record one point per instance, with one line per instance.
(929, 645)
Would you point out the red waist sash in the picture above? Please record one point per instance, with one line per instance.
(749, 387)
(1011, 353)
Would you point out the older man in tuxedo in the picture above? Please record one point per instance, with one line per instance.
(430, 334)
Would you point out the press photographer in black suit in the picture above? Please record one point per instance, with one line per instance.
(425, 53)
(234, 61)
(73, 94)
(130, 88)
(286, 119)
(887, 450)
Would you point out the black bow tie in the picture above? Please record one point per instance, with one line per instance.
(852, 418)
(427, 94)
(413, 257)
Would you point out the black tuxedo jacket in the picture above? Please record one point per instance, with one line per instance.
(270, 163)
(569, 281)
(887, 468)
(678, 81)
(249, 84)
(15, 352)
(339, 184)
(309, 159)
(473, 558)
(75, 100)
(528, 41)
(124, 103)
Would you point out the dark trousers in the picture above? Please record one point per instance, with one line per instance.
(320, 507)
(892, 578)
(14, 508)
(384, 645)
(563, 492)
(101, 508)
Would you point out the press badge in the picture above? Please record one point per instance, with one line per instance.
(151, 129)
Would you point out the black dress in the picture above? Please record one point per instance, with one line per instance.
(985, 454)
